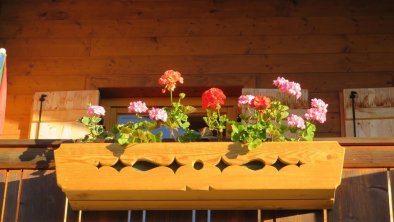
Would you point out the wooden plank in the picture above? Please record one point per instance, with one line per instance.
(189, 9)
(111, 28)
(233, 215)
(26, 158)
(104, 216)
(16, 126)
(361, 196)
(3, 178)
(249, 45)
(76, 100)
(391, 176)
(372, 127)
(201, 204)
(70, 47)
(352, 141)
(369, 98)
(169, 216)
(41, 197)
(369, 156)
(59, 113)
(210, 64)
(12, 195)
(330, 82)
(45, 82)
(101, 81)
(292, 216)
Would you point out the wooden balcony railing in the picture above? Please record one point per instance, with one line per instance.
(29, 192)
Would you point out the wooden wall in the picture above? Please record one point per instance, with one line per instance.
(76, 45)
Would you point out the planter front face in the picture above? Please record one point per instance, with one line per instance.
(205, 175)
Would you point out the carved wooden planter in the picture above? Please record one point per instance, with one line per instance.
(204, 175)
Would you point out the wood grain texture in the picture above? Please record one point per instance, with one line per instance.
(197, 182)
(60, 112)
(12, 195)
(41, 199)
(362, 196)
(374, 112)
(26, 158)
(188, 9)
(391, 175)
(292, 216)
(176, 27)
(327, 46)
(3, 181)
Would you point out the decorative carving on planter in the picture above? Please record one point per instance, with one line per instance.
(204, 175)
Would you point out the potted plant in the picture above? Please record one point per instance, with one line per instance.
(138, 172)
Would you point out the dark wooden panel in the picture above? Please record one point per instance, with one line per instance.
(203, 65)
(233, 215)
(41, 199)
(124, 28)
(292, 216)
(362, 196)
(26, 158)
(169, 216)
(189, 9)
(12, 195)
(93, 216)
(369, 156)
(47, 47)
(3, 175)
(391, 175)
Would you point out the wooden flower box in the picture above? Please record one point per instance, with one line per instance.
(200, 175)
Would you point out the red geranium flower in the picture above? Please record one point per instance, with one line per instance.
(169, 79)
(261, 103)
(213, 98)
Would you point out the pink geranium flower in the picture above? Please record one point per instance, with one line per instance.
(96, 110)
(318, 111)
(245, 100)
(296, 121)
(285, 86)
(137, 107)
(158, 114)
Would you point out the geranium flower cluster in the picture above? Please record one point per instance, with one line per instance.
(285, 86)
(318, 111)
(265, 119)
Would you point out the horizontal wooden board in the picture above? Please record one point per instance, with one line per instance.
(35, 47)
(330, 82)
(47, 82)
(212, 64)
(370, 97)
(26, 158)
(59, 115)
(241, 26)
(59, 130)
(371, 113)
(371, 127)
(121, 81)
(201, 205)
(77, 101)
(369, 156)
(19, 104)
(244, 45)
(189, 9)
